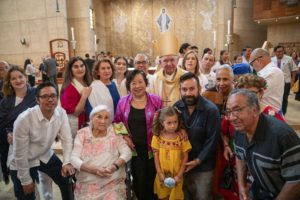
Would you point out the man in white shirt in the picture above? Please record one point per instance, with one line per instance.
(289, 69)
(34, 133)
(261, 62)
(246, 54)
(207, 63)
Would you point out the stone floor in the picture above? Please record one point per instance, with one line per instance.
(292, 117)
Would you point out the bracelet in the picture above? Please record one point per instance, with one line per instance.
(117, 167)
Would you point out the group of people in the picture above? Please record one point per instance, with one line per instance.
(177, 130)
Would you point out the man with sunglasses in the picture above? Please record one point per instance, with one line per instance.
(265, 146)
(261, 62)
(34, 133)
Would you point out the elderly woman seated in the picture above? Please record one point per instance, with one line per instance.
(99, 155)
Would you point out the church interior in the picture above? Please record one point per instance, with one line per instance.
(67, 28)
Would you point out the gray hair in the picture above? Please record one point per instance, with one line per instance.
(228, 68)
(5, 64)
(141, 55)
(260, 52)
(251, 98)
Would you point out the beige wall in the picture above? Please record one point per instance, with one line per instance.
(36, 21)
(100, 25)
(282, 33)
(128, 27)
(246, 31)
(78, 18)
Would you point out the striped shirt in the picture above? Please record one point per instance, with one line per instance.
(273, 155)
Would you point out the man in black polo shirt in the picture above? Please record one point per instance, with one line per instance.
(202, 121)
(269, 148)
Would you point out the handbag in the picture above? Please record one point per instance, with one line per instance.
(295, 88)
(227, 177)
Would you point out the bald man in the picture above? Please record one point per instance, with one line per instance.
(261, 62)
(208, 61)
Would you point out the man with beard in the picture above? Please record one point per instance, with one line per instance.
(202, 122)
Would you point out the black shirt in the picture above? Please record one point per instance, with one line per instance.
(203, 128)
(138, 130)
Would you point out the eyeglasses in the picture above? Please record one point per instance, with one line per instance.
(234, 112)
(141, 62)
(48, 97)
(255, 60)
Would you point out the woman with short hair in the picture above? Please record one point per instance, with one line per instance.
(137, 111)
(104, 90)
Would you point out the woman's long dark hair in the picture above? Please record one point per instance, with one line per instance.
(27, 61)
(68, 76)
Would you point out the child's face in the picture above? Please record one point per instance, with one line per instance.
(170, 123)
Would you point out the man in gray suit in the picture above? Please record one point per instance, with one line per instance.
(51, 69)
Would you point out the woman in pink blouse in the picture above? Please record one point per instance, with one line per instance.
(136, 111)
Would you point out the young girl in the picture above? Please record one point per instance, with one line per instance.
(170, 154)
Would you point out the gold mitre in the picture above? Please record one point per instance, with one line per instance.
(167, 44)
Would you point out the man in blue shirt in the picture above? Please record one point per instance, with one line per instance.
(202, 122)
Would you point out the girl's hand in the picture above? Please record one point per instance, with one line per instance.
(177, 179)
(227, 152)
(161, 177)
(129, 142)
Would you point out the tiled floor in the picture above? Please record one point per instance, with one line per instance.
(292, 117)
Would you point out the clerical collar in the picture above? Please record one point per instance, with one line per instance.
(170, 77)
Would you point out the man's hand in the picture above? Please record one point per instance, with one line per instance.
(244, 196)
(67, 170)
(183, 135)
(227, 153)
(10, 138)
(192, 164)
(28, 189)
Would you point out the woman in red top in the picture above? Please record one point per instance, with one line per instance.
(75, 91)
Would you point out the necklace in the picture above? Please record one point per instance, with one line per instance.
(139, 100)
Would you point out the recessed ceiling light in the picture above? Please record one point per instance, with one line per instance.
(276, 20)
(297, 17)
(258, 21)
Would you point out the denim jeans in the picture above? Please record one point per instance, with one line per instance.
(53, 170)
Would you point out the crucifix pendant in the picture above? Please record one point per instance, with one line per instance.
(166, 102)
